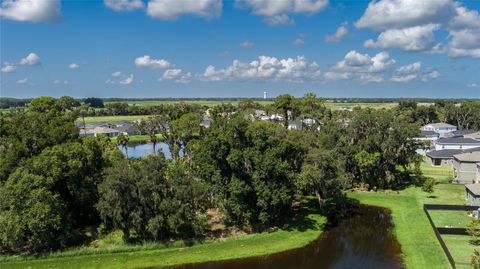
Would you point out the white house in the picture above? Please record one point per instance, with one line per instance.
(440, 128)
(456, 143)
(95, 131)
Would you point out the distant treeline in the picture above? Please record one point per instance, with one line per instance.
(8, 102)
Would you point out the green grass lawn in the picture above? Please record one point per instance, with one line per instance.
(419, 244)
(137, 138)
(305, 228)
(112, 118)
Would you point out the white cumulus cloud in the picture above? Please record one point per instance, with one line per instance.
(170, 10)
(147, 62)
(177, 75)
(8, 68)
(73, 66)
(266, 68)
(472, 85)
(416, 38)
(121, 5)
(246, 44)
(340, 33)
(277, 11)
(31, 10)
(31, 59)
(120, 78)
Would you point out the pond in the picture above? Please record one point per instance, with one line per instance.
(365, 240)
(138, 150)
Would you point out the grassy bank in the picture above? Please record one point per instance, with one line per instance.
(137, 138)
(419, 244)
(304, 228)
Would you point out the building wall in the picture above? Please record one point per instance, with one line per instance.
(465, 172)
(443, 162)
(472, 199)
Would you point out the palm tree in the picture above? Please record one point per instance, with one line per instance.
(122, 140)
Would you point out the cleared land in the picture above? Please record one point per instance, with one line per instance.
(306, 227)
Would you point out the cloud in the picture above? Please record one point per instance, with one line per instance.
(386, 14)
(416, 38)
(411, 26)
(266, 68)
(8, 68)
(339, 34)
(411, 68)
(362, 67)
(170, 10)
(413, 71)
(246, 44)
(73, 66)
(472, 85)
(147, 62)
(177, 75)
(57, 81)
(22, 81)
(122, 5)
(121, 78)
(127, 80)
(299, 41)
(31, 59)
(31, 10)
(277, 12)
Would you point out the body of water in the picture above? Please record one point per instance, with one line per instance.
(365, 240)
(138, 150)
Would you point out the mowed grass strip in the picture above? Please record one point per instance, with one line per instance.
(302, 230)
(112, 118)
(419, 245)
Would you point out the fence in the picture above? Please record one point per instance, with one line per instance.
(439, 237)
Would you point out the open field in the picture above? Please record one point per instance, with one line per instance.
(306, 227)
(113, 118)
(266, 102)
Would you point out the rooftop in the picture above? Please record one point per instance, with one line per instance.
(468, 157)
(441, 125)
(449, 153)
(458, 140)
(474, 188)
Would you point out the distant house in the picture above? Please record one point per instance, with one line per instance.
(126, 127)
(461, 133)
(427, 135)
(472, 194)
(445, 156)
(440, 128)
(294, 124)
(456, 143)
(465, 167)
(95, 131)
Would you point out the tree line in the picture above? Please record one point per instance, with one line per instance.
(60, 190)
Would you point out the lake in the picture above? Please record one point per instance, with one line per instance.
(365, 240)
(138, 150)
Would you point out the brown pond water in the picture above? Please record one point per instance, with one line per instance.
(363, 241)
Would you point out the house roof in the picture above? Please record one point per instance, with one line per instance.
(449, 153)
(428, 134)
(463, 132)
(457, 140)
(470, 157)
(444, 153)
(474, 188)
(475, 135)
(440, 125)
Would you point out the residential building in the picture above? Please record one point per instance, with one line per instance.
(95, 131)
(472, 194)
(456, 143)
(440, 128)
(475, 135)
(465, 167)
(445, 156)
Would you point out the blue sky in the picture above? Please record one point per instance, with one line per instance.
(163, 48)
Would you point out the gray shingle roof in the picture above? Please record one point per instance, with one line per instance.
(468, 157)
(474, 188)
(449, 153)
(457, 140)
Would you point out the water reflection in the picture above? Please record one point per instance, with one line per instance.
(138, 150)
(363, 241)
